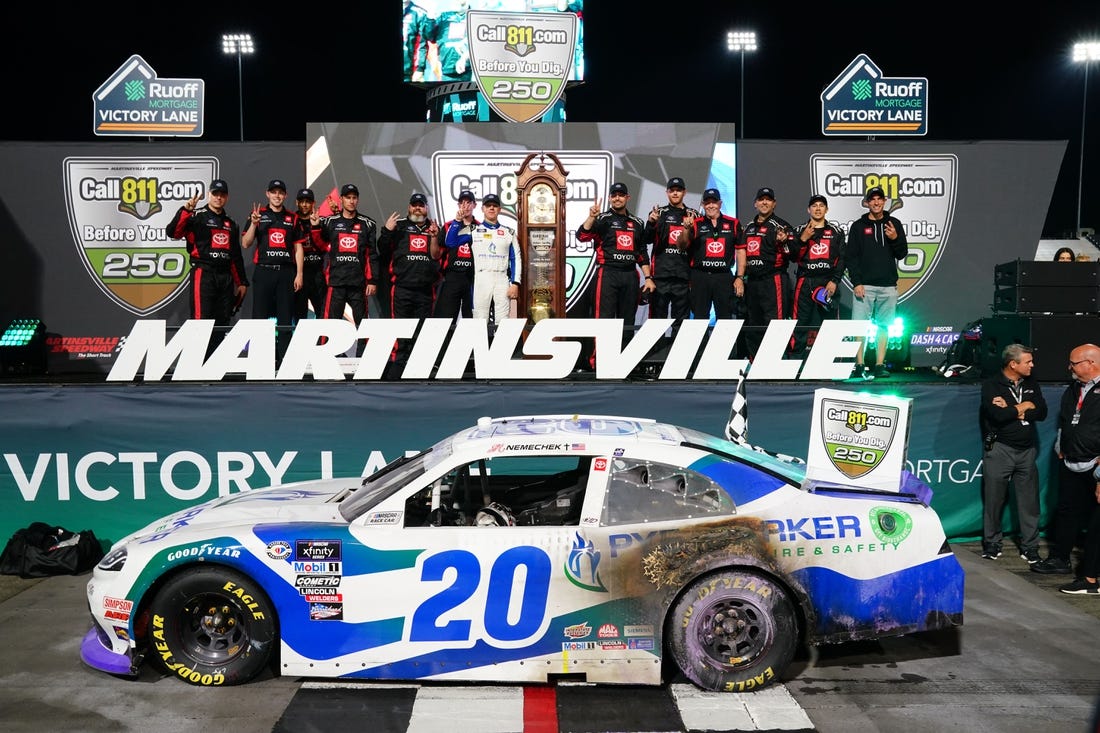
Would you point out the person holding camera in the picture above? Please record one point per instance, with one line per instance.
(1011, 404)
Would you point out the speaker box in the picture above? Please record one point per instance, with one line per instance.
(1052, 337)
(1044, 299)
(1028, 273)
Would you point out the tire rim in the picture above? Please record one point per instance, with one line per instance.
(733, 632)
(212, 629)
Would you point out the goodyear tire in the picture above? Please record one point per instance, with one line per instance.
(733, 632)
(211, 626)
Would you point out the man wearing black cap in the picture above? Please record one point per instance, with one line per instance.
(456, 261)
(876, 242)
(277, 275)
(406, 245)
(217, 278)
(670, 261)
(314, 286)
(712, 242)
(351, 240)
(819, 251)
(766, 256)
(619, 240)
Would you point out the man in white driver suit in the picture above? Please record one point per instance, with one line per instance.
(497, 260)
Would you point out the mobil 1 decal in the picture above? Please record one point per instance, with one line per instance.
(119, 209)
(494, 171)
(857, 435)
(920, 192)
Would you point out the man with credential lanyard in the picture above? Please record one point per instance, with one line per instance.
(1011, 404)
(1078, 447)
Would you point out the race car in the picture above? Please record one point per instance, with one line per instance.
(529, 549)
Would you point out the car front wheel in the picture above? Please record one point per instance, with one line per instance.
(211, 626)
(733, 632)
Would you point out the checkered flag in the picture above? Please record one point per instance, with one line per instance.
(737, 429)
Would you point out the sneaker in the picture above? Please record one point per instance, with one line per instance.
(991, 553)
(880, 372)
(1052, 566)
(1081, 587)
(1032, 556)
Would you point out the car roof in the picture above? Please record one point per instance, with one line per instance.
(596, 429)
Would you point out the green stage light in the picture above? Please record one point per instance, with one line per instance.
(23, 347)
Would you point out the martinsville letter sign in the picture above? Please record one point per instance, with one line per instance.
(550, 351)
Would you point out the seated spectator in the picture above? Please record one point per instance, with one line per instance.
(1064, 254)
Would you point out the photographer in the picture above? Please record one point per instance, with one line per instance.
(1011, 404)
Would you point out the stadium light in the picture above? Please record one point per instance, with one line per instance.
(741, 41)
(239, 44)
(1084, 52)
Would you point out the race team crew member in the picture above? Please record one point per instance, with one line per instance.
(350, 238)
(618, 238)
(767, 287)
(671, 272)
(819, 251)
(456, 263)
(497, 260)
(217, 278)
(406, 245)
(314, 286)
(712, 243)
(277, 234)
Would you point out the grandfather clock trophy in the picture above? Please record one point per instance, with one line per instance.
(540, 211)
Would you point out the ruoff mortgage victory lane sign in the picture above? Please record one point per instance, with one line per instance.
(520, 62)
(133, 101)
(861, 101)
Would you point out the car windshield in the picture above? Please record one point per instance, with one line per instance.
(392, 477)
(793, 472)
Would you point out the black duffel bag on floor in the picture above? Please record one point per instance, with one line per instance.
(40, 550)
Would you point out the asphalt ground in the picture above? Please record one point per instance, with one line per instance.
(1024, 661)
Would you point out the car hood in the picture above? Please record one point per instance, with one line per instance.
(308, 501)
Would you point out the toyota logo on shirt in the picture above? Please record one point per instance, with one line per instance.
(276, 238)
(418, 243)
(349, 243)
(219, 239)
(753, 246)
(624, 240)
(716, 248)
(819, 250)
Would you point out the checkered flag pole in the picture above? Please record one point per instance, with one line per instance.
(737, 429)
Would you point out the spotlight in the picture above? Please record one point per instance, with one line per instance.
(23, 347)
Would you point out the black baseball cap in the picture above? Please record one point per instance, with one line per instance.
(467, 195)
(491, 198)
(219, 186)
(306, 194)
(276, 185)
(874, 191)
(418, 198)
(816, 198)
(711, 194)
(349, 188)
(619, 188)
(764, 193)
(675, 183)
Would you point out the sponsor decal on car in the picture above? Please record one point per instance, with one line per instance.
(326, 612)
(608, 631)
(578, 631)
(317, 550)
(384, 518)
(317, 567)
(638, 630)
(278, 550)
(582, 567)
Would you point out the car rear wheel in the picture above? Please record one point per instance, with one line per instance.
(733, 632)
(211, 626)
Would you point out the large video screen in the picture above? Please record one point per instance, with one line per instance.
(435, 46)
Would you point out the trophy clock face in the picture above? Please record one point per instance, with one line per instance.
(542, 205)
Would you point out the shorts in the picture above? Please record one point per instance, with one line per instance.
(878, 304)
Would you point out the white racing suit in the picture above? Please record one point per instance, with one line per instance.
(497, 264)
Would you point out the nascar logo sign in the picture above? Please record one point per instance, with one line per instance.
(521, 62)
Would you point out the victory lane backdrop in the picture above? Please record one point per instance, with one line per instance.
(115, 457)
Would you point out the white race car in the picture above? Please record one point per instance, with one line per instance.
(529, 549)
